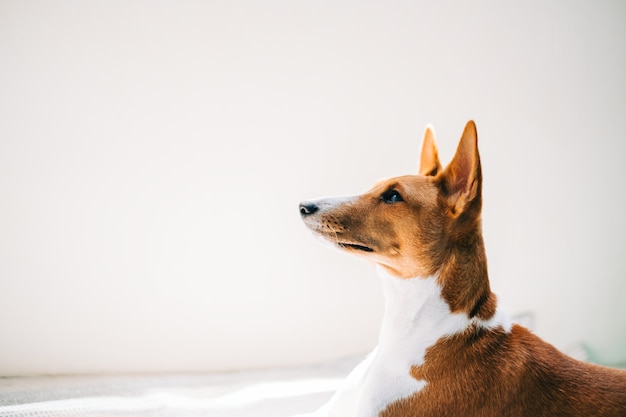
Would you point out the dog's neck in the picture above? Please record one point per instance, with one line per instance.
(416, 316)
(463, 276)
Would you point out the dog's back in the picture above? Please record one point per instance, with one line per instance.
(497, 373)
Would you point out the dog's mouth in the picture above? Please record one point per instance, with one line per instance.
(338, 239)
(355, 246)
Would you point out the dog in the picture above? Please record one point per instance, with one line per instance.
(445, 348)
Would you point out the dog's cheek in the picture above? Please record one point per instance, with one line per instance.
(384, 237)
(425, 247)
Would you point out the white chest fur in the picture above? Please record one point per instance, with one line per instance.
(416, 316)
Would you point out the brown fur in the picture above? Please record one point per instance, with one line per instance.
(436, 230)
(494, 373)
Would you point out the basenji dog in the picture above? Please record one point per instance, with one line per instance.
(445, 348)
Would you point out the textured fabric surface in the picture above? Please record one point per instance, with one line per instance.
(274, 393)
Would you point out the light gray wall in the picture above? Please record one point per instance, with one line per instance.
(152, 156)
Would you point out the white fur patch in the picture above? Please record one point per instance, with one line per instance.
(416, 317)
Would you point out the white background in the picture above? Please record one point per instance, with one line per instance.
(153, 154)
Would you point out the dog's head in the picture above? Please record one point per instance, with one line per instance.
(409, 225)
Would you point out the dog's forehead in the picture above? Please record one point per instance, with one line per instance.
(404, 181)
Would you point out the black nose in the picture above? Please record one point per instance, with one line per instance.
(308, 208)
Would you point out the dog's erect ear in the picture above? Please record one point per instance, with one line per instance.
(462, 177)
(429, 159)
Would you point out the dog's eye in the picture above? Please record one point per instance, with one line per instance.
(391, 196)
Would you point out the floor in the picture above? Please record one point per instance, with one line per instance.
(270, 393)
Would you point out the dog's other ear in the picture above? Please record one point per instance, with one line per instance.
(462, 178)
(429, 159)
